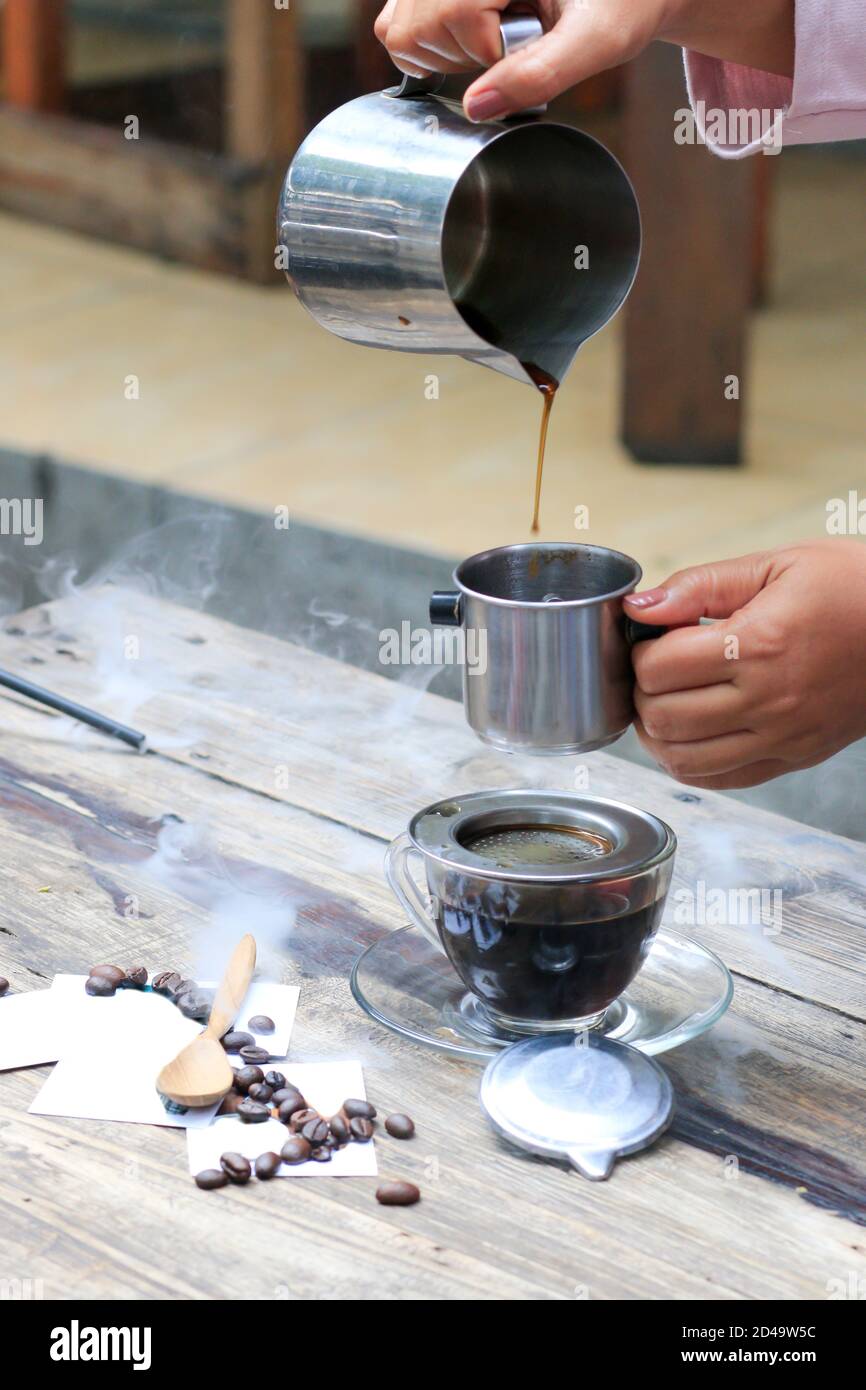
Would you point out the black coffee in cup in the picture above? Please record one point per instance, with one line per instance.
(545, 903)
(546, 974)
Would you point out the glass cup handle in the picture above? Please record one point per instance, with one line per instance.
(405, 888)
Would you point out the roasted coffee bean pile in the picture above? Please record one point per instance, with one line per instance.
(257, 1096)
(193, 1002)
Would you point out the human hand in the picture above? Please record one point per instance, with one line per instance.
(582, 37)
(778, 683)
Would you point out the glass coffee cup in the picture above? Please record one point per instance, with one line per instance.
(545, 903)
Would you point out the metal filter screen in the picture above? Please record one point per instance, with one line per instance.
(515, 845)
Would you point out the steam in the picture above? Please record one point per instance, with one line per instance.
(722, 866)
(187, 562)
(188, 862)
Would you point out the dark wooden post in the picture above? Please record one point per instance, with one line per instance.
(373, 66)
(265, 115)
(34, 53)
(686, 319)
(265, 80)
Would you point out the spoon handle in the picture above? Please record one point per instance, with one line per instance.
(233, 988)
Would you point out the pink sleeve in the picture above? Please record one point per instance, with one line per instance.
(740, 110)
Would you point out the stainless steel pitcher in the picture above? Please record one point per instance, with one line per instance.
(408, 227)
(557, 676)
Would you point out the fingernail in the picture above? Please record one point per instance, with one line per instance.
(486, 106)
(648, 599)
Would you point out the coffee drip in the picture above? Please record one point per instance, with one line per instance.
(548, 386)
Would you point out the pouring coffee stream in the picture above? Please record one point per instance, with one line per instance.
(548, 388)
(542, 380)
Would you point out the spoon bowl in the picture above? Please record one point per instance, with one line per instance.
(201, 1073)
(198, 1076)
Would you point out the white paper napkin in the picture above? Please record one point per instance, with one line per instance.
(109, 1066)
(32, 1029)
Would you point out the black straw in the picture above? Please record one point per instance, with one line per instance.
(79, 712)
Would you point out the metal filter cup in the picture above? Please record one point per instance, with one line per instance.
(557, 676)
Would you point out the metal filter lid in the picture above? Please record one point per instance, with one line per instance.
(539, 835)
(579, 1097)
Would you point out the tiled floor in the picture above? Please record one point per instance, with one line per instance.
(243, 398)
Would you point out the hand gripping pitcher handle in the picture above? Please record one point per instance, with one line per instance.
(519, 28)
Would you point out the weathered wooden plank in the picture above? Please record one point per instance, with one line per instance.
(178, 203)
(83, 821)
(367, 753)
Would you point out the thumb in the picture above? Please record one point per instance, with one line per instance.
(571, 51)
(704, 591)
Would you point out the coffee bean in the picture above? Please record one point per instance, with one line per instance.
(400, 1126)
(303, 1117)
(230, 1104)
(261, 1091)
(276, 1080)
(4, 985)
(193, 1006)
(340, 1129)
(252, 1112)
(286, 1093)
(316, 1131)
(210, 1178)
(358, 1109)
(361, 1129)
(267, 1166)
(245, 1077)
(254, 1054)
(332, 1143)
(260, 1023)
(136, 978)
(321, 1154)
(108, 972)
(233, 1042)
(295, 1150)
(100, 987)
(236, 1167)
(166, 982)
(186, 987)
(291, 1106)
(398, 1194)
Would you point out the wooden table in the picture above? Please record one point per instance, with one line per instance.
(302, 769)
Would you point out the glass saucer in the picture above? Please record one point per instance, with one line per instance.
(403, 982)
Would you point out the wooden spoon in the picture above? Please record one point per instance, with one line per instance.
(202, 1074)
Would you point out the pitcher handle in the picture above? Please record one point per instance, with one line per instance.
(405, 888)
(519, 28)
